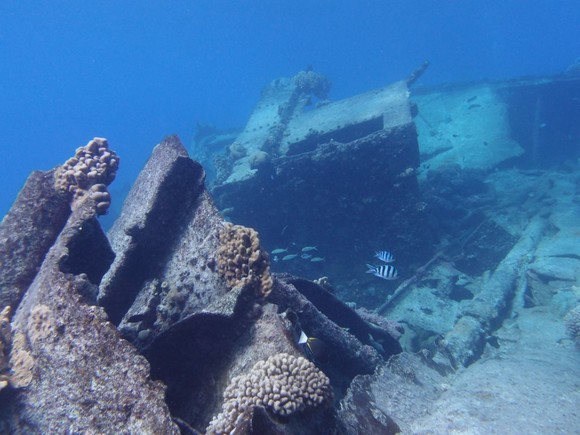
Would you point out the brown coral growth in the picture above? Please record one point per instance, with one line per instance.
(40, 324)
(241, 260)
(312, 82)
(5, 344)
(21, 362)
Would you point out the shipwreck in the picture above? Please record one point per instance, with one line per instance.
(180, 320)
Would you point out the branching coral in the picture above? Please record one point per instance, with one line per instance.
(241, 260)
(283, 384)
(93, 167)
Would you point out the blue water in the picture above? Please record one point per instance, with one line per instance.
(136, 71)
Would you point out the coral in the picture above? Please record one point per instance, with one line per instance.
(312, 82)
(21, 362)
(16, 362)
(5, 343)
(93, 167)
(572, 322)
(40, 323)
(241, 260)
(283, 384)
(101, 197)
(5, 336)
(40, 326)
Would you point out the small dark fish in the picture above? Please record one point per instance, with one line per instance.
(385, 256)
(385, 271)
(312, 347)
(469, 100)
(473, 106)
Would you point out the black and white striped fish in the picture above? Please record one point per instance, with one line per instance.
(385, 256)
(385, 271)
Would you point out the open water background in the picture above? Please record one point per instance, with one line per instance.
(136, 71)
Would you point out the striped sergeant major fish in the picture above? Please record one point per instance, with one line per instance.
(385, 271)
(385, 256)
